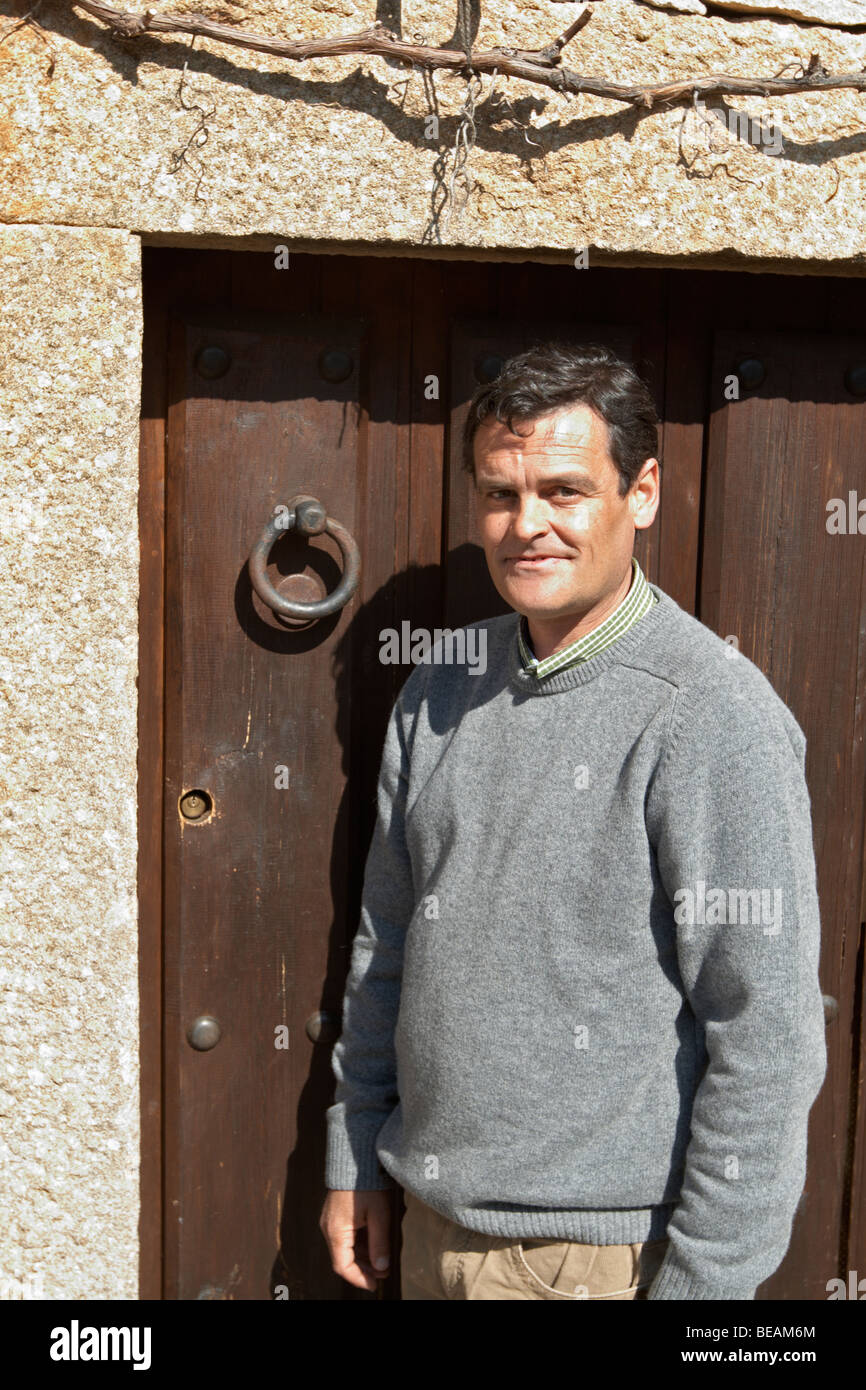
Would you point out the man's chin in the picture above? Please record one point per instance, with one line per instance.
(534, 608)
(537, 597)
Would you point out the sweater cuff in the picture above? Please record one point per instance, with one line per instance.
(352, 1164)
(675, 1281)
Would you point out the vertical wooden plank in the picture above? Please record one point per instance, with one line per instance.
(793, 595)
(684, 410)
(852, 1254)
(151, 520)
(255, 893)
(473, 289)
(846, 304)
(653, 544)
(166, 273)
(422, 554)
(173, 1157)
(377, 291)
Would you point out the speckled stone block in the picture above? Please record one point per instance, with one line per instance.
(70, 374)
(244, 145)
(845, 13)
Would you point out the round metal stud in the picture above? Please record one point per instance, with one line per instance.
(488, 367)
(335, 364)
(204, 1033)
(322, 1027)
(751, 373)
(195, 804)
(212, 362)
(311, 518)
(855, 379)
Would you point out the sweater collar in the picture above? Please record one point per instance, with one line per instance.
(627, 612)
(652, 621)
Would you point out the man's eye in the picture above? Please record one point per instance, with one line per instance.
(498, 493)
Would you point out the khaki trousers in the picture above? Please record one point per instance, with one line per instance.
(441, 1259)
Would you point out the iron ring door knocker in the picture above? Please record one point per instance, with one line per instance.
(306, 515)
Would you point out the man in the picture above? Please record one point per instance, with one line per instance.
(583, 1027)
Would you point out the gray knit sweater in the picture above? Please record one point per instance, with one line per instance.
(583, 1000)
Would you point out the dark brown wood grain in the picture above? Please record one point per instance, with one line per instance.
(166, 275)
(151, 520)
(791, 593)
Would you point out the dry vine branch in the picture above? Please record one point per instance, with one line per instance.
(541, 66)
(201, 129)
(464, 141)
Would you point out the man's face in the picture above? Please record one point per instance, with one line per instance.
(557, 535)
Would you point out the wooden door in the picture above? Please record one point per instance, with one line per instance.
(259, 722)
(263, 384)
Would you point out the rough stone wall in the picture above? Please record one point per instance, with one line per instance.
(70, 327)
(337, 149)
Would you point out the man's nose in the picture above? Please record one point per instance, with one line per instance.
(531, 515)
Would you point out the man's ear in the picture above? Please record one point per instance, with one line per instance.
(635, 500)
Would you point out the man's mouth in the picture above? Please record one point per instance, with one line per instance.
(534, 562)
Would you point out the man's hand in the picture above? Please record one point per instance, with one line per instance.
(359, 1259)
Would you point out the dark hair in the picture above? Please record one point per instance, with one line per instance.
(550, 376)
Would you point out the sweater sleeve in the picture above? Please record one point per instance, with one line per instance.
(363, 1059)
(729, 809)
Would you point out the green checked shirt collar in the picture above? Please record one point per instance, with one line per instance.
(639, 599)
